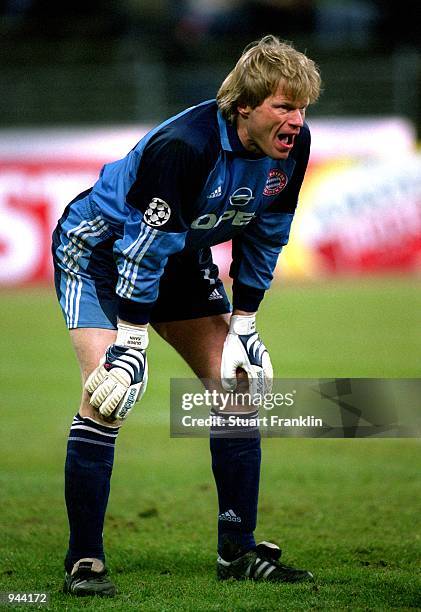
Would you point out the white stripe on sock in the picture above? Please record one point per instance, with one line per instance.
(75, 439)
(101, 433)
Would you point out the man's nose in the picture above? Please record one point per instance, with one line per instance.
(296, 118)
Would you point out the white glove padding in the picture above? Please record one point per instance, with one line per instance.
(244, 349)
(121, 378)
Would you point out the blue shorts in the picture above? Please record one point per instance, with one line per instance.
(86, 275)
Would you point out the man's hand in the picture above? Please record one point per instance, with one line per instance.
(120, 379)
(244, 349)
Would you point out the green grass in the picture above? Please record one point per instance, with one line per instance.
(346, 509)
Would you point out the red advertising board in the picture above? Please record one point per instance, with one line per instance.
(32, 196)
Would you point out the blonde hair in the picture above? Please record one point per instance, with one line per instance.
(263, 66)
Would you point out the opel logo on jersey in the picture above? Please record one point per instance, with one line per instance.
(276, 181)
(209, 221)
(157, 213)
(241, 196)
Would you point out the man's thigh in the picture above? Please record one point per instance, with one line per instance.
(199, 341)
(90, 345)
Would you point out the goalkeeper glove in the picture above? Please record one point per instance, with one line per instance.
(120, 379)
(244, 349)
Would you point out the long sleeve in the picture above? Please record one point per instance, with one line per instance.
(255, 252)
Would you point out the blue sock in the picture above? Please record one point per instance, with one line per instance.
(236, 468)
(89, 463)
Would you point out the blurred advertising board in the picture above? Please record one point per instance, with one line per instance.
(360, 205)
(40, 172)
(358, 217)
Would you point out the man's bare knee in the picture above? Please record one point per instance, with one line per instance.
(88, 411)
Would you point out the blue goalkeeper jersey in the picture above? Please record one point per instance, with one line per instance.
(190, 184)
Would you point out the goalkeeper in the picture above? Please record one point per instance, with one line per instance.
(135, 250)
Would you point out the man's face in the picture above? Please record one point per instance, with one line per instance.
(271, 128)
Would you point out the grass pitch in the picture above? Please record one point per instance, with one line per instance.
(346, 509)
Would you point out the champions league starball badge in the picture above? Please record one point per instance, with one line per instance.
(157, 213)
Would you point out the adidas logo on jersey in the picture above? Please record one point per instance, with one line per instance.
(216, 193)
(230, 516)
(215, 295)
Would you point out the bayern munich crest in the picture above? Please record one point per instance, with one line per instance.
(157, 213)
(276, 181)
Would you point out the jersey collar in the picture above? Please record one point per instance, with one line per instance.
(230, 140)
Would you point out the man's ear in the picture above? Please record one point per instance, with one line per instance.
(244, 111)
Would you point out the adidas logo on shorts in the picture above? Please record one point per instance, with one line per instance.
(230, 516)
(215, 295)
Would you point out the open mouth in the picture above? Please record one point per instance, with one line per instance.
(286, 139)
